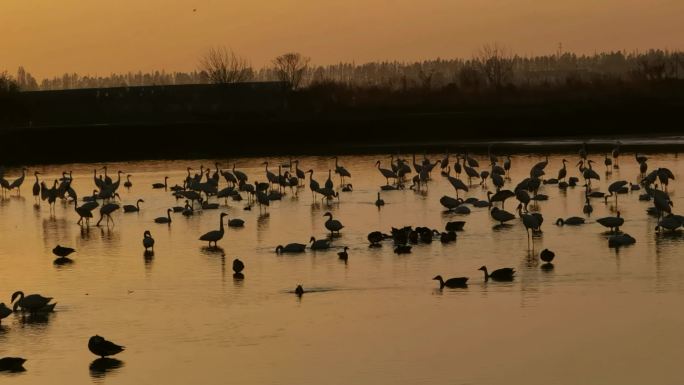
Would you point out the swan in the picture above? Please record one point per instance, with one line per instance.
(503, 274)
(320, 244)
(571, 221)
(128, 182)
(214, 235)
(452, 282)
(4, 311)
(332, 225)
(103, 348)
(290, 248)
(161, 185)
(148, 241)
(32, 303)
(166, 219)
(132, 208)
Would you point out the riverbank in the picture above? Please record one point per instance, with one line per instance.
(216, 122)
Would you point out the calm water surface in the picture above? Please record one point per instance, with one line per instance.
(602, 316)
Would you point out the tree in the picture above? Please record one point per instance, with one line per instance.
(496, 64)
(7, 84)
(291, 67)
(223, 66)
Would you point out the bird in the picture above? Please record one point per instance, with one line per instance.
(299, 290)
(341, 171)
(62, 252)
(452, 282)
(4, 311)
(503, 274)
(166, 219)
(33, 303)
(388, 174)
(613, 223)
(291, 248)
(238, 266)
(500, 215)
(547, 255)
(132, 208)
(214, 235)
(161, 185)
(320, 244)
(106, 211)
(343, 255)
(332, 225)
(148, 241)
(12, 364)
(622, 239)
(128, 183)
(379, 202)
(103, 348)
(236, 222)
(572, 221)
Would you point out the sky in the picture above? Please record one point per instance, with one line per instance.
(51, 37)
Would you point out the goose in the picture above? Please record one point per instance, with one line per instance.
(214, 235)
(375, 237)
(132, 208)
(450, 203)
(343, 255)
(320, 244)
(503, 274)
(62, 251)
(379, 202)
(148, 241)
(547, 255)
(501, 216)
(613, 223)
(617, 240)
(166, 219)
(290, 248)
(32, 303)
(208, 206)
(670, 222)
(4, 311)
(128, 183)
(454, 226)
(161, 185)
(12, 364)
(332, 225)
(299, 290)
(238, 266)
(571, 221)
(103, 348)
(452, 282)
(106, 211)
(500, 196)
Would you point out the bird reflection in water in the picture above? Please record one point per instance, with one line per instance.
(100, 367)
(148, 257)
(212, 250)
(63, 261)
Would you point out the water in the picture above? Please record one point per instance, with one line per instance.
(601, 316)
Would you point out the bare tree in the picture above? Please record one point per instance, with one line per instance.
(223, 66)
(7, 84)
(496, 64)
(290, 68)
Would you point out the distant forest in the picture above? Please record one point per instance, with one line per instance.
(493, 66)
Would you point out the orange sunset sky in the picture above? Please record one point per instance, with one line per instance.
(50, 37)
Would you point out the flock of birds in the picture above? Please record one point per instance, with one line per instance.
(199, 189)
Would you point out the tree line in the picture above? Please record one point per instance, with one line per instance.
(493, 66)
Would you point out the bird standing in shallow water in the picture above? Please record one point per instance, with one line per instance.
(103, 348)
(148, 241)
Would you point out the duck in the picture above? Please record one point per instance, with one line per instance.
(166, 219)
(103, 348)
(452, 282)
(33, 303)
(503, 274)
(238, 266)
(321, 244)
(547, 255)
(343, 255)
(290, 248)
(332, 225)
(133, 208)
(4, 311)
(375, 237)
(571, 221)
(148, 241)
(62, 251)
(12, 364)
(299, 290)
